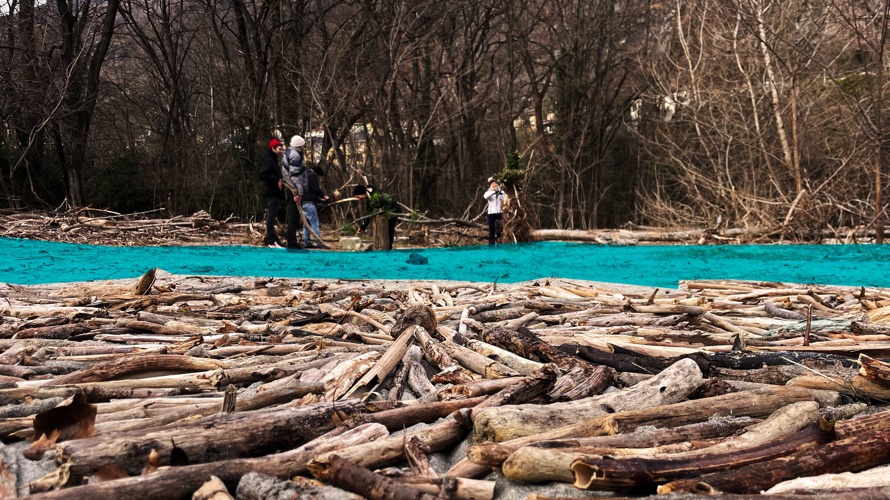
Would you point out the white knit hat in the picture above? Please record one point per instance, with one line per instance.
(297, 142)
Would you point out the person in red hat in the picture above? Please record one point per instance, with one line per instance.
(270, 174)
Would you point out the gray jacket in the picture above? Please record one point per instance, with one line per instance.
(293, 172)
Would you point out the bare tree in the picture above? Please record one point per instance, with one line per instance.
(86, 30)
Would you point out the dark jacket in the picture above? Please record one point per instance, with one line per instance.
(313, 193)
(270, 174)
(392, 207)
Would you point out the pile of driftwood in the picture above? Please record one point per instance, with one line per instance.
(177, 387)
(94, 226)
(102, 227)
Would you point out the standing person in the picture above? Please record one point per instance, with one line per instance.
(363, 192)
(270, 175)
(293, 173)
(495, 198)
(311, 196)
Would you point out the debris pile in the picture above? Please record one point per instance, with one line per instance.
(220, 387)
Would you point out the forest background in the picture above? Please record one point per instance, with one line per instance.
(661, 113)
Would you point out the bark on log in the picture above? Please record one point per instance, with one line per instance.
(179, 482)
(582, 381)
(874, 370)
(138, 364)
(357, 479)
(457, 488)
(439, 357)
(523, 391)
(388, 450)
(384, 366)
(216, 437)
(634, 363)
(276, 393)
(476, 362)
(477, 388)
(856, 385)
(418, 456)
(755, 403)
(60, 332)
(111, 389)
(599, 473)
(747, 361)
(398, 419)
(509, 422)
(518, 363)
(556, 464)
(528, 345)
(853, 454)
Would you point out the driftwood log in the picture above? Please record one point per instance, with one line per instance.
(198, 377)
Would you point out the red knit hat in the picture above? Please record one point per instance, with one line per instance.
(274, 143)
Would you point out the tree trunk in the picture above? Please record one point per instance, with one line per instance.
(754, 403)
(629, 473)
(391, 449)
(509, 422)
(181, 482)
(380, 232)
(357, 479)
(853, 454)
(217, 437)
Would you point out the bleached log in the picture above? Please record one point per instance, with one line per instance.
(522, 365)
(397, 419)
(509, 422)
(384, 366)
(113, 389)
(277, 392)
(213, 489)
(856, 385)
(476, 362)
(439, 357)
(477, 388)
(537, 464)
(388, 450)
(878, 477)
(457, 488)
(416, 376)
(755, 403)
(138, 364)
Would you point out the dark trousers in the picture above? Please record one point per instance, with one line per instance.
(392, 230)
(293, 220)
(273, 206)
(494, 228)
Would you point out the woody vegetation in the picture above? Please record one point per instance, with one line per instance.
(718, 115)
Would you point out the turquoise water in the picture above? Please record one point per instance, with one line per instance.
(34, 262)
